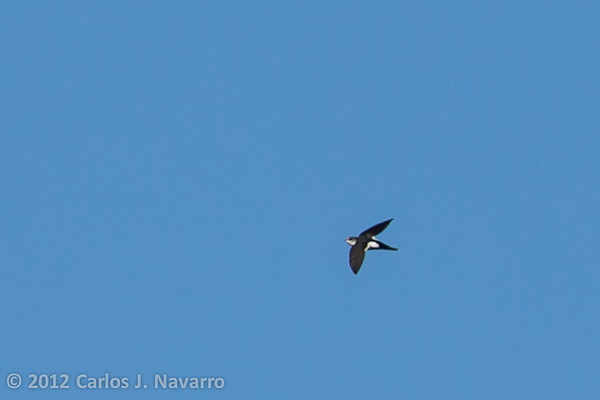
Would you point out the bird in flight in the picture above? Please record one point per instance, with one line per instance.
(366, 241)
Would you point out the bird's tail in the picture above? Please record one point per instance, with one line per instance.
(383, 246)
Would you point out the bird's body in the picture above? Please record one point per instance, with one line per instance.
(366, 241)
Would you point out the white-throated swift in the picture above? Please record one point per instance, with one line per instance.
(366, 241)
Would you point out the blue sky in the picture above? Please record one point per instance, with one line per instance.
(177, 181)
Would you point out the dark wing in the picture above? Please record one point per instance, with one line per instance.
(357, 255)
(376, 229)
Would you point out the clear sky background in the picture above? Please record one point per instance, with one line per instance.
(177, 180)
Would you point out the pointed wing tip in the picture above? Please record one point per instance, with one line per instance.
(355, 268)
(376, 229)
